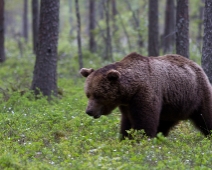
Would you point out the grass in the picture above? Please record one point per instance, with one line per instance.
(37, 134)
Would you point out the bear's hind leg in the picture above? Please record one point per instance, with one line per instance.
(202, 123)
(165, 126)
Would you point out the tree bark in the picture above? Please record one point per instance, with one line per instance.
(153, 36)
(2, 50)
(114, 14)
(114, 8)
(101, 9)
(169, 31)
(108, 50)
(25, 20)
(207, 40)
(115, 28)
(92, 42)
(70, 17)
(35, 24)
(79, 35)
(136, 26)
(45, 70)
(125, 32)
(182, 28)
(200, 25)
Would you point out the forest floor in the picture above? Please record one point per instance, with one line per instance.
(37, 134)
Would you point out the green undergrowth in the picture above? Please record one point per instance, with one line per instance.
(37, 134)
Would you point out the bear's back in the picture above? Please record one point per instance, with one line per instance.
(174, 78)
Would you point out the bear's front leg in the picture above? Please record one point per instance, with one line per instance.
(125, 122)
(145, 113)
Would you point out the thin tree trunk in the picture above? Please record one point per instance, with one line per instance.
(114, 10)
(45, 71)
(35, 23)
(2, 51)
(169, 31)
(200, 25)
(115, 27)
(182, 28)
(79, 35)
(125, 32)
(207, 40)
(136, 26)
(108, 51)
(114, 14)
(92, 42)
(71, 17)
(153, 36)
(25, 20)
(101, 9)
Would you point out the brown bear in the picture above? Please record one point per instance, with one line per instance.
(152, 93)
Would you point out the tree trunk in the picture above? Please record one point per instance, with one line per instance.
(125, 32)
(35, 23)
(79, 35)
(92, 43)
(114, 14)
(115, 27)
(169, 31)
(25, 20)
(108, 50)
(2, 52)
(114, 9)
(182, 28)
(136, 26)
(70, 17)
(207, 40)
(200, 25)
(45, 71)
(153, 36)
(101, 9)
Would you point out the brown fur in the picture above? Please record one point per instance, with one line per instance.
(152, 93)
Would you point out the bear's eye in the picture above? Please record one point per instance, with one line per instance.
(98, 97)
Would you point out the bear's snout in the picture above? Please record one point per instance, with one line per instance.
(91, 113)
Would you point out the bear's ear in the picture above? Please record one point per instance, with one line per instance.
(86, 71)
(113, 75)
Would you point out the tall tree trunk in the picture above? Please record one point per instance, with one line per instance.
(92, 42)
(200, 25)
(35, 23)
(169, 31)
(101, 9)
(136, 22)
(25, 20)
(207, 40)
(70, 17)
(115, 39)
(182, 28)
(45, 71)
(108, 50)
(114, 9)
(114, 14)
(79, 35)
(125, 32)
(2, 51)
(153, 36)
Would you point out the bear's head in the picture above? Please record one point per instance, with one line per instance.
(102, 90)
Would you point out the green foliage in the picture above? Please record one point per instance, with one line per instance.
(37, 134)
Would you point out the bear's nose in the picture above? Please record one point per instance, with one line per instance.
(89, 112)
